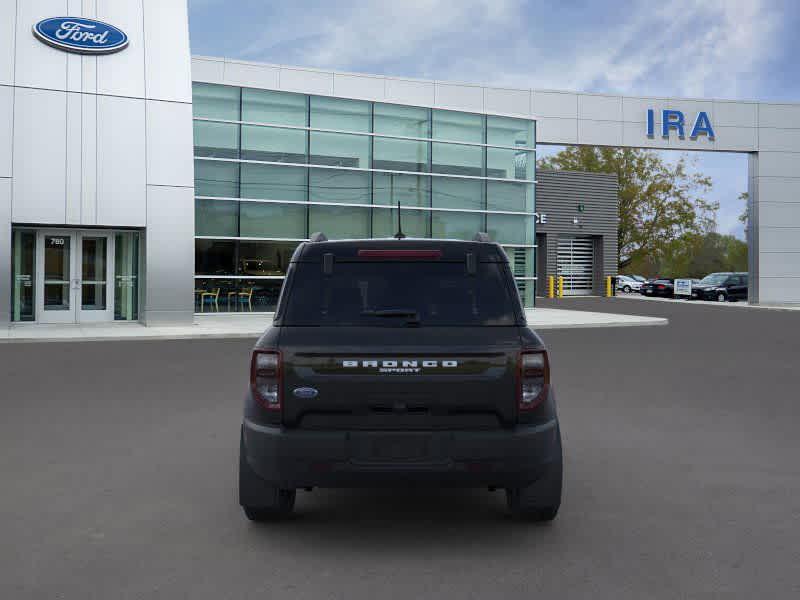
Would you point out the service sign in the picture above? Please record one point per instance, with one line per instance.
(683, 287)
(84, 36)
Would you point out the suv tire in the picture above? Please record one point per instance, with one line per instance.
(261, 501)
(540, 500)
(721, 297)
(627, 289)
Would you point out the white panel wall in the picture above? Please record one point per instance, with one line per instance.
(8, 24)
(169, 144)
(36, 64)
(121, 73)
(166, 37)
(74, 159)
(121, 161)
(39, 156)
(6, 128)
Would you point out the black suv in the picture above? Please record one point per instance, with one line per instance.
(722, 287)
(400, 363)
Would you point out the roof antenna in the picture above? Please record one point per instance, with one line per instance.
(399, 235)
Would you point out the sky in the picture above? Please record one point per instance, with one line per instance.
(732, 49)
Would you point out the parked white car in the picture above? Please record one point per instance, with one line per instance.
(627, 284)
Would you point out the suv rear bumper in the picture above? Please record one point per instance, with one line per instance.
(291, 459)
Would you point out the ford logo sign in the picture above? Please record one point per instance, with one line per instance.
(305, 392)
(84, 36)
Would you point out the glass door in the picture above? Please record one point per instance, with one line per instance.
(95, 275)
(55, 277)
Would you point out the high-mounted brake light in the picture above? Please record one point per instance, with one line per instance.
(266, 378)
(396, 254)
(534, 378)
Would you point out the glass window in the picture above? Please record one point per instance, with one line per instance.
(339, 150)
(510, 229)
(126, 276)
(457, 159)
(263, 294)
(265, 258)
(407, 121)
(452, 192)
(280, 108)
(338, 185)
(400, 155)
(273, 182)
(409, 190)
(215, 101)
(455, 225)
(509, 164)
(457, 126)
(416, 223)
(216, 295)
(216, 217)
(507, 131)
(263, 219)
(521, 261)
(273, 144)
(220, 140)
(337, 113)
(23, 260)
(214, 257)
(507, 195)
(339, 222)
(215, 178)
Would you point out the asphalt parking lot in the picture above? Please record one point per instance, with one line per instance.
(682, 466)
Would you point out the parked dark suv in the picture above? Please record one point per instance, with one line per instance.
(721, 287)
(400, 363)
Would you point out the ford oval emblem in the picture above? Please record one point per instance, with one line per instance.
(84, 36)
(305, 392)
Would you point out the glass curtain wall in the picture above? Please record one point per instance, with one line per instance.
(273, 167)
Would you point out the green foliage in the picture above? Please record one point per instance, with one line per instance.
(694, 255)
(660, 203)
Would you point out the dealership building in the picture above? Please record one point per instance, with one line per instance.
(139, 183)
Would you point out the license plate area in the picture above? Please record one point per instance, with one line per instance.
(394, 447)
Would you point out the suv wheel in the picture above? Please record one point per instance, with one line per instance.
(261, 501)
(627, 289)
(721, 297)
(540, 500)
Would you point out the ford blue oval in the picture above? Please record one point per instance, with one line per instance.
(84, 36)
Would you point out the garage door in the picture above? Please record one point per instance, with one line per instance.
(576, 264)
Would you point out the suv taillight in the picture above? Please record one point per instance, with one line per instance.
(265, 378)
(534, 378)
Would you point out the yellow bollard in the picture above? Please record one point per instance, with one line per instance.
(561, 286)
(551, 287)
(608, 287)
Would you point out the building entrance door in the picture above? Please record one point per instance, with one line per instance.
(575, 262)
(74, 272)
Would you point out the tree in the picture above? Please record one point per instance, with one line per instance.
(659, 202)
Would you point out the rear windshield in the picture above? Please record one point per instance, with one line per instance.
(400, 294)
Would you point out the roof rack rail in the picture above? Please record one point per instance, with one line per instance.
(481, 236)
(318, 236)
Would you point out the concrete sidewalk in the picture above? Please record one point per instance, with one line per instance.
(251, 326)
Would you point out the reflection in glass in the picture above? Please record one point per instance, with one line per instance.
(23, 260)
(339, 222)
(215, 101)
(215, 295)
(281, 108)
(509, 164)
(458, 226)
(339, 150)
(214, 257)
(400, 155)
(93, 273)
(409, 190)
(273, 144)
(510, 229)
(452, 192)
(265, 258)
(56, 272)
(457, 159)
(264, 219)
(457, 126)
(337, 185)
(219, 140)
(337, 113)
(273, 182)
(507, 195)
(507, 131)
(216, 217)
(126, 276)
(216, 178)
(416, 223)
(406, 121)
